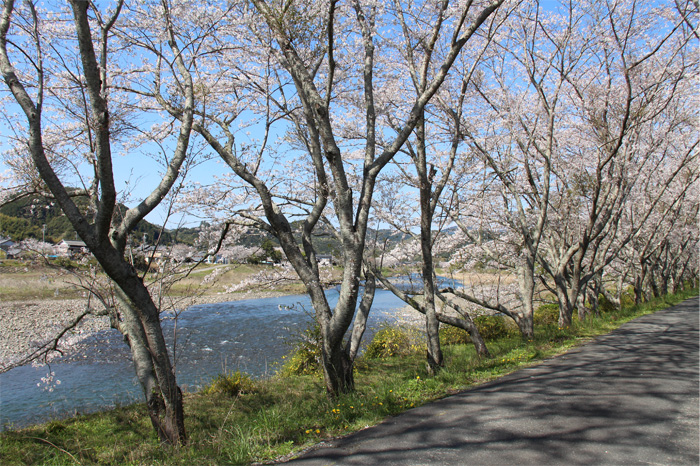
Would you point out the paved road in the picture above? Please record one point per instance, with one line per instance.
(630, 397)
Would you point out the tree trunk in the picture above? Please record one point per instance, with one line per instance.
(360, 324)
(152, 361)
(665, 284)
(565, 314)
(566, 305)
(477, 341)
(432, 325)
(679, 274)
(638, 291)
(337, 371)
(655, 292)
(526, 279)
(595, 290)
(525, 321)
(639, 279)
(581, 307)
(134, 336)
(466, 323)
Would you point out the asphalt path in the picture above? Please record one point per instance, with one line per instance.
(630, 397)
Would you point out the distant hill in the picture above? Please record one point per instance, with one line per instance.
(25, 218)
(326, 243)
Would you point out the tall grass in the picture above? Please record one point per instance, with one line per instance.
(277, 417)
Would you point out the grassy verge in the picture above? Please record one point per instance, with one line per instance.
(27, 281)
(198, 281)
(277, 417)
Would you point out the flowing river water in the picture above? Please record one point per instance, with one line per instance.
(249, 336)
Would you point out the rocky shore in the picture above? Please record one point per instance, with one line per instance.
(26, 326)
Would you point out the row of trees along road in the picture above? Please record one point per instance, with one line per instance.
(561, 142)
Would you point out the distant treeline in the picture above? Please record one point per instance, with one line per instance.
(25, 218)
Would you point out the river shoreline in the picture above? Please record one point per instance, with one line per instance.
(29, 324)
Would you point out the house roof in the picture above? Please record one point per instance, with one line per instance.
(74, 243)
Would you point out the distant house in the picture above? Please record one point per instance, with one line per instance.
(147, 251)
(6, 243)
(151, 254)
(70, 248)
(217, 259)
(325, 259)
(196, 257)
(13, 252)
(9, 247)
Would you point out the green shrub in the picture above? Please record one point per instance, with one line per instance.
(491, 327)
(64, 262)
(451, 335)
(306, 355)
(231, 384)
(546, 314)
(303, 361)
(388, 342)
(627, 297)
(605, 305)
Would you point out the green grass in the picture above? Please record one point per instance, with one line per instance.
(231, 274)
(21, 281)
(277, 417)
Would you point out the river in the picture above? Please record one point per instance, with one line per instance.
(248, 335)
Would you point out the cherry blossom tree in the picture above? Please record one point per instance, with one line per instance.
(661, 250)
(504, 185)
(624, 96)
(306, 63)
(403, 259)
(521, 192)
(60, 72)
(432, 150)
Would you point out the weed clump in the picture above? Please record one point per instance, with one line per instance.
(231, 384)
(546, 314)
(388, 342)
(303, 361)
(491, 327)
(305, 357)
(605, 305)
(451, 335)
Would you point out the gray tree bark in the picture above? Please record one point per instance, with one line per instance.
(140, 317)
(351, 216)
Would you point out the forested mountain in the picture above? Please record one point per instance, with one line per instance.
(25, 218)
